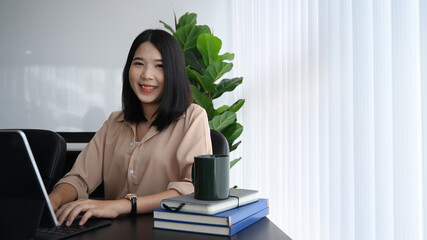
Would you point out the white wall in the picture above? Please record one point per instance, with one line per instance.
(61, 61)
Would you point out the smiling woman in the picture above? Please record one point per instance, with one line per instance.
(147, 78)
(155, 60)
(143, 153)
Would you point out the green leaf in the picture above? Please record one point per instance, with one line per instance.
(192, 61)
(187, 18)
(237, 105)
(211, 74)
(226, 56)
(234, 147)
(193, 74)
(167, 27)
(227, 85)
(205, 84)
(222, 121)
(232, 163)
(210, 86)
(205, 81)
(232, 132)
(187, 36)
(209, 46)
(203, 101)
(221, 109)
(214, 71)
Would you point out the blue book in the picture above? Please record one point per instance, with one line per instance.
(220, 230)
(226, 218)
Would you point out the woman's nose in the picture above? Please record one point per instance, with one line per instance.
(147, 73)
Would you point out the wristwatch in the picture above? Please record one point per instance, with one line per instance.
(132, 198)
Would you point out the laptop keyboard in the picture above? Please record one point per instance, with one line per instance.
(63, 231)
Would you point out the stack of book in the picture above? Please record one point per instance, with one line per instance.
(224, 217)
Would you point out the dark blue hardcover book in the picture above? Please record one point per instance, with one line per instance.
(220, 230)
(226, 218)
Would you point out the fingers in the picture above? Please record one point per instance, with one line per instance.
(70, 211)
(74, 213)
(86, 217)
(91, 208)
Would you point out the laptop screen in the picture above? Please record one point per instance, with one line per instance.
(23, 197)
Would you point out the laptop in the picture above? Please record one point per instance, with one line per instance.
(26, 211)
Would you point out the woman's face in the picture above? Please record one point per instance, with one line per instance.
(146, 75)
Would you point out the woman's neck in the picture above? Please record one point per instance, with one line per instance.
(149, 111)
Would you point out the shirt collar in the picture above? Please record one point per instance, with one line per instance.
(121, 117)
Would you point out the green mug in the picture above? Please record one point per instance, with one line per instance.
(211, 177)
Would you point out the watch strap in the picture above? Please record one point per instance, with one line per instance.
(133, 202)
(133, 199)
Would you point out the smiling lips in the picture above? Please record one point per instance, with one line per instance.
(147, 88)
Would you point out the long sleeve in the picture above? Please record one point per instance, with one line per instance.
(196, 141)
(86, 173)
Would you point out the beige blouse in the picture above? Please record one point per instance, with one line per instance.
(161, 161)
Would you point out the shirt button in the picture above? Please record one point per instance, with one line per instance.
(131, 172)
(131, 143)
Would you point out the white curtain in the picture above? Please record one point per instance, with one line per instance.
(335, 119)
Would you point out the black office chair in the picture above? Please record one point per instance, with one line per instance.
(49, 150)
(219, 143)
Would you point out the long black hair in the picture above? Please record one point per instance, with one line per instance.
(177, 95)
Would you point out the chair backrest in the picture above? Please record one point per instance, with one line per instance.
(49, 150)
(219, 143)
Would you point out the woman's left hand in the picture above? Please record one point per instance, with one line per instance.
(91, 208)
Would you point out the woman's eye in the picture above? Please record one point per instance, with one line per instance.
(138, 63)
(159, 65)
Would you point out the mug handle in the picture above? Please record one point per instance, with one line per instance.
(192, 173)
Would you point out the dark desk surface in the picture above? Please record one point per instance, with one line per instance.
(141, 227)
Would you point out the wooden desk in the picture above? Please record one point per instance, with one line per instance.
(141, 228)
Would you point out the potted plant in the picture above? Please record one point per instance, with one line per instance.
(205, 68)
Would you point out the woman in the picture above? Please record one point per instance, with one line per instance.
(145, 152)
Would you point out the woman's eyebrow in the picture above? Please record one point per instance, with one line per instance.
(137, 58)
(140, 59)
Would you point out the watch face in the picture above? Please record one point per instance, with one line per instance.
(129, 196)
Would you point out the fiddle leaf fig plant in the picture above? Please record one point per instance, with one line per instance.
(205, 67)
